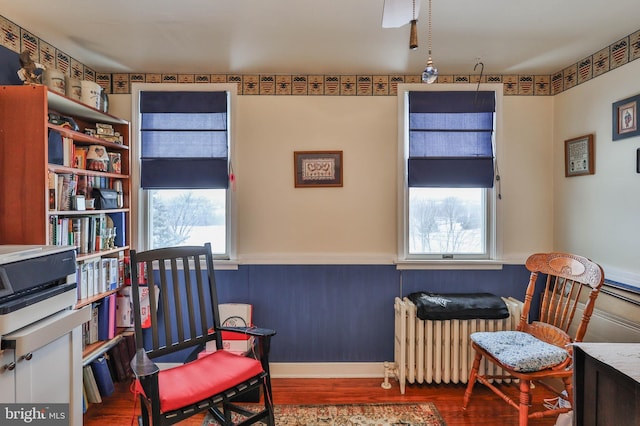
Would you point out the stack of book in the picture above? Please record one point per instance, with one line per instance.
(99, 275)
(64, 187)
(90, 233)
(101, 374)
(102, 325)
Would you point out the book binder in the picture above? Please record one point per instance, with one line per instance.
(103, 376)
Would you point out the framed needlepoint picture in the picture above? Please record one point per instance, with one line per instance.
(317, 168)
(578, 156)
(625, 118)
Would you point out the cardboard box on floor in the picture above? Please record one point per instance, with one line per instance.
(234, 315)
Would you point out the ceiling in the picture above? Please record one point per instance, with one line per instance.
(323, 37)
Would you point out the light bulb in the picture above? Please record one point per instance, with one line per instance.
(430, 73)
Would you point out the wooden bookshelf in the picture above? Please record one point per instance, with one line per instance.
(25, 211)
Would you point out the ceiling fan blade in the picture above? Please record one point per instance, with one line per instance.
(396, 13)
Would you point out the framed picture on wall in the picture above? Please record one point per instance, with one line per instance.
(625, 118)
(578, 156)
(317, 168)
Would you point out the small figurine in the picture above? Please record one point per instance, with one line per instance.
(28, 71)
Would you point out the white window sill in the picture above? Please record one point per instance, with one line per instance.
(225, 265)
(461, 264)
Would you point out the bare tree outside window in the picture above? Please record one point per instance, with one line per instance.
(446, 220)
(188, 217)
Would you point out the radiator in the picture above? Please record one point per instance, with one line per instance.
(439, 351)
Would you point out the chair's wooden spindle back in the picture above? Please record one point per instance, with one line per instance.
(205, 290)
(528, 297)
(568, 276)
(153, 289)
(182, 303)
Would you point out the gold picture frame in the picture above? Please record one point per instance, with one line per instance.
(317, 169)
(579, 156)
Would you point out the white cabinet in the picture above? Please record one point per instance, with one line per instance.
(42, 363)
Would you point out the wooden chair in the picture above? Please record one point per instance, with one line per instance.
(182, 315)
(541, 350)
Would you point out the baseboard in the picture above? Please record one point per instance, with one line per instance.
(326, 370)
(317, 370)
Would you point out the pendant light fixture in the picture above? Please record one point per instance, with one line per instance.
(430, 73)
(413, 35)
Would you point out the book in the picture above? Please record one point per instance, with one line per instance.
(66, 191)
(68, 152)
(102, 376)
(93, 325)
(112, 316)
(90, 286)
(118, 361)
(83, 291)
(82, 187)
(96, 276)
(55, 148)
(85, 402)
(84, 235)
(90, 385)
(104, 270)
(53, 229)
(131, 345)
(119, 222)
(127, 350)
(53, 190)
(76, 228)
(103, 319)
(112, 272)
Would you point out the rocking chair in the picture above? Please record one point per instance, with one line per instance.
(182, 315)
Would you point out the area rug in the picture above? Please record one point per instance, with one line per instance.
(397, 414)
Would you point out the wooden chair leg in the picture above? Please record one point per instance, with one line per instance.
(568, 386)
(525, 401)
(472, 380)
(143, 419)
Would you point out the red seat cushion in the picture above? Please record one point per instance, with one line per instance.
(189, 383)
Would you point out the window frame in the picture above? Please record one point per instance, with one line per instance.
(493, 211)
(141, 197)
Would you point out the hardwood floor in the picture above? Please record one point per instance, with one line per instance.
(484, 409)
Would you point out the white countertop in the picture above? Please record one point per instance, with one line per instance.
(624, 357)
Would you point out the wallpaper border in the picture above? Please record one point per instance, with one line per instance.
(613, 56)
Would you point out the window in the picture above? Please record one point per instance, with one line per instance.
(184, 146)
(448, 156)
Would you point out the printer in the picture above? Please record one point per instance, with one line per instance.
(35, 282)
(40, 328)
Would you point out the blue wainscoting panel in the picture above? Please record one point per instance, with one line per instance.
(322, 313)
(344, 313)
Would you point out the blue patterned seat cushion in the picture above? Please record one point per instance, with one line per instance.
(520, 351)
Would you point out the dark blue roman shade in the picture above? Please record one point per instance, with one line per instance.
(451, 139)
(184, 140)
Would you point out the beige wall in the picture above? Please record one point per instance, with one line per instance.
(598, 215)
(526, 176)
(278, 223)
